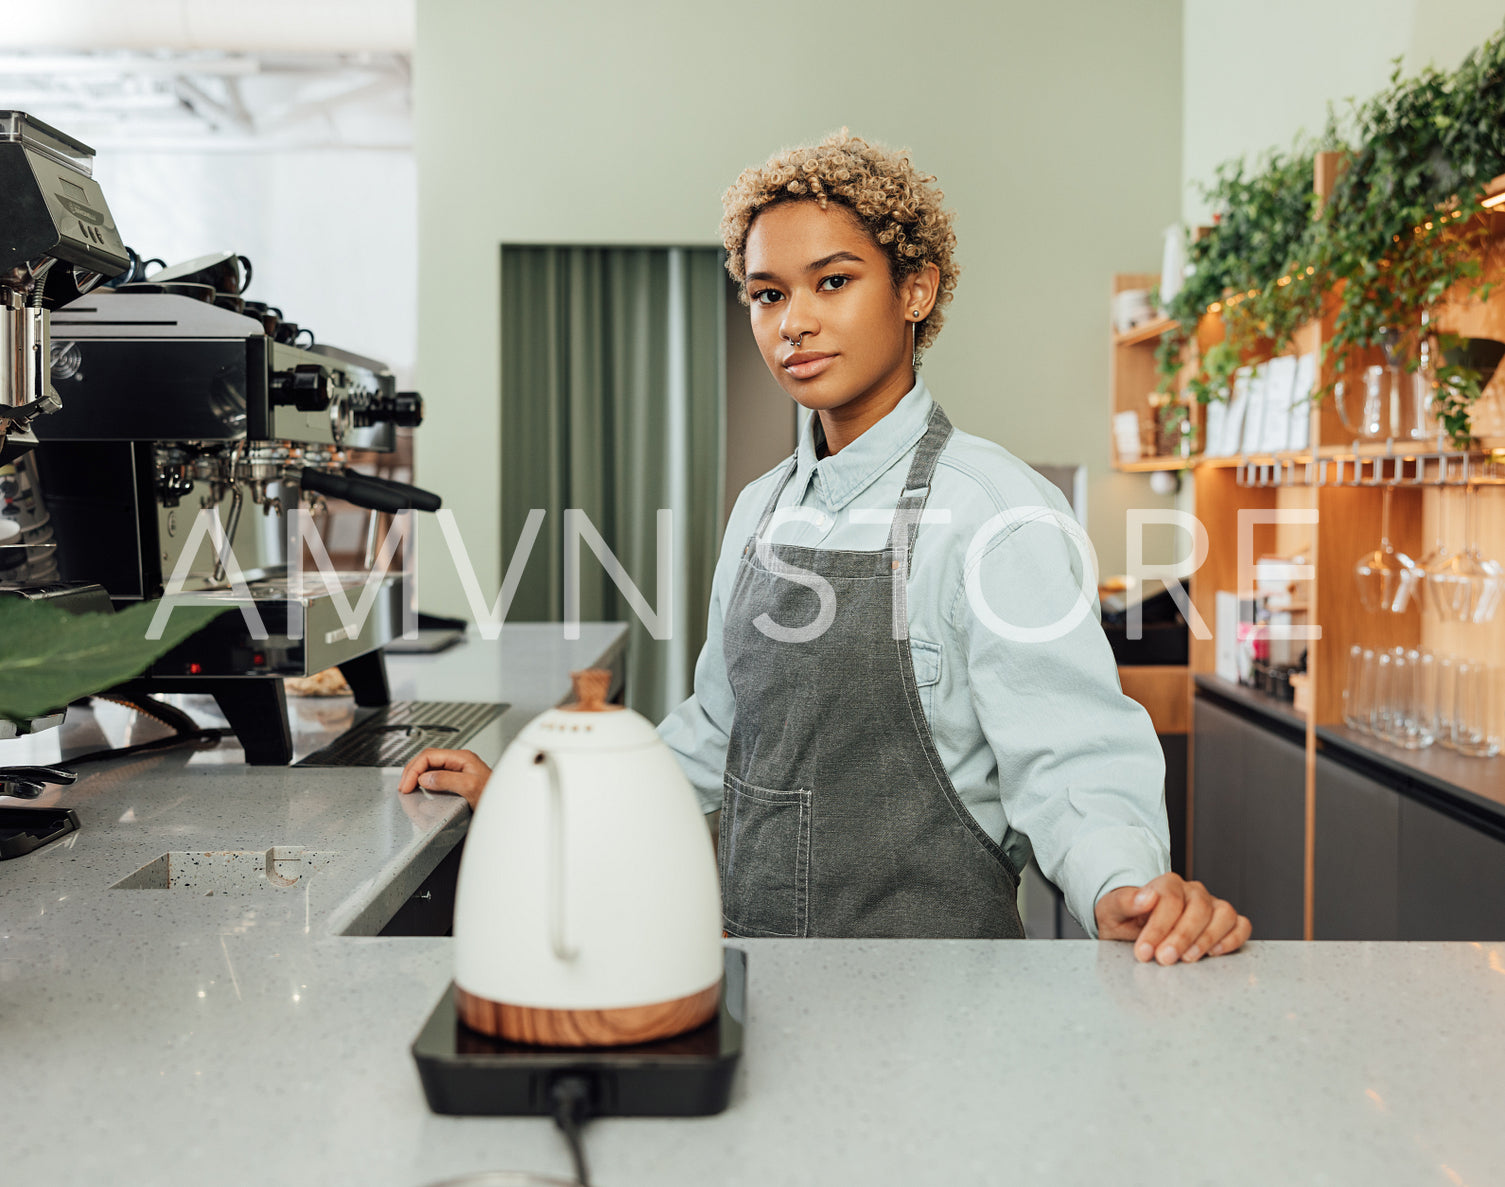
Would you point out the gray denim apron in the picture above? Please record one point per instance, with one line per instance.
(838, 817)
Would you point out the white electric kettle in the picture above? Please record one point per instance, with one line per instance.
(588, 911)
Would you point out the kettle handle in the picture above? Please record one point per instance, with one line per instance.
(559, 935)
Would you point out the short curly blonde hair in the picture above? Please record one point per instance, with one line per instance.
(900, 206)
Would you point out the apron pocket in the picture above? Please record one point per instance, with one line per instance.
(925, 658)
(765, 859)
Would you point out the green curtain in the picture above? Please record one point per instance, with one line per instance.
(612, 403)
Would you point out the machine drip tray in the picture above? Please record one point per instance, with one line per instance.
(397, 732)
(690, 1075)
(23, 830)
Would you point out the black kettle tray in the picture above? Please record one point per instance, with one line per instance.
(690, 1075)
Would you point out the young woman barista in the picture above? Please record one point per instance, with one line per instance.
(903, 691)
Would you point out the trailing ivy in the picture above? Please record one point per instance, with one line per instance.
(1401, 230)
(1253, 266)
(1402, 227)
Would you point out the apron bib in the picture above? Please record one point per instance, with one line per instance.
(838, 817)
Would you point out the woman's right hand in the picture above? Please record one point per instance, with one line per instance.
(457, 771)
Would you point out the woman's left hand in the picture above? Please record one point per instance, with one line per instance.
(1171, 920)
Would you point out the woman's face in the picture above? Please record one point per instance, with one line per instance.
(816, 277)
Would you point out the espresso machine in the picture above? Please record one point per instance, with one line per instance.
(178, 445)
(56, 236)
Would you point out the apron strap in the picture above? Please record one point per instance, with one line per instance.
(917, 484)
(909, 508)
(773, 502)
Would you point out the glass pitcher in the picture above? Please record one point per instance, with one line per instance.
(1365, 418)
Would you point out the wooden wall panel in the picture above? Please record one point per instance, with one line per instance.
(1162, 690)
(1350, 528)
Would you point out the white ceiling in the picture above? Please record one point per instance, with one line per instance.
(330, 26)
(201, 75)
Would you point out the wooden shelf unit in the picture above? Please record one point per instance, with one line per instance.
(1150, 331)
(1133, 378)
(1148, 465)
(1347, 526)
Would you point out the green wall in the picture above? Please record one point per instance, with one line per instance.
(1257, 74)
(1055, 130)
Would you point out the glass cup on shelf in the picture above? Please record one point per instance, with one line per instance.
(1426, 693)
(1386, 577)
(1398, 712)
(1359, 705)
(1442, 700)
(1353, 689)
(1473, 726)
(1410, 725)
(1382, 708)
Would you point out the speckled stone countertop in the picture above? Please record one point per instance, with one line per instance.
(150, 1039)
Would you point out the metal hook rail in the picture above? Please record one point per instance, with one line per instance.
(1437, 468)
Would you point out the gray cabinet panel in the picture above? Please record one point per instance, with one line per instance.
(1274, 834)
(1217, 801)
(1250, 819)
(1454, 878)
(1357, 883)
(1389, 863)
(1043, 908)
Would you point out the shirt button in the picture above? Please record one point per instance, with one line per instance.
(820, 520)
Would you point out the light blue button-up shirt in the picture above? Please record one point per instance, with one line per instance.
(1024, 704)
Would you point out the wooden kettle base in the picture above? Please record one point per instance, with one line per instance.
(587, 1028)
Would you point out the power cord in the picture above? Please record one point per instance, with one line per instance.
(148, 706)
(571, 1100)
(168, 743)
(185, 730)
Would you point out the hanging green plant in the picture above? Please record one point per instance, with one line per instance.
(1402, 229)
(1254, 267)
(1402, 226)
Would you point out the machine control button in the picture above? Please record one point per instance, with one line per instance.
(305, 388)
(403, 409)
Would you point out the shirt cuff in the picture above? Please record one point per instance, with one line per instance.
(1105, 860)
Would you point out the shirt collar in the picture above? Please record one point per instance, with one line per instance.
(843, 476)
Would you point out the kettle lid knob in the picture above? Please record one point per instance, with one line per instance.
(591, 686)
